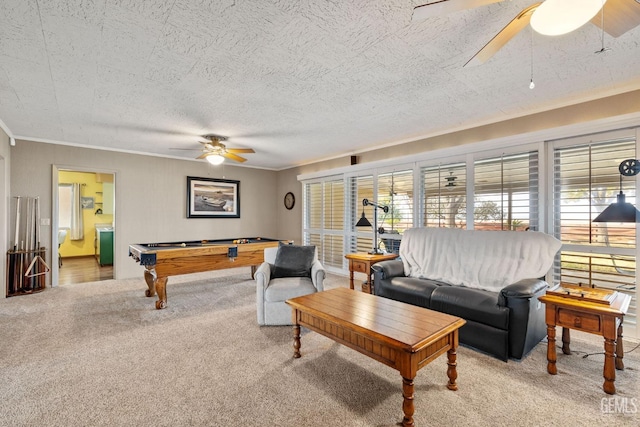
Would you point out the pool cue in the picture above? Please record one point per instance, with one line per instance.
(31, 233)
(35, 279)
(18, 279)
(13, 257)
(41, 279)
(25, 280)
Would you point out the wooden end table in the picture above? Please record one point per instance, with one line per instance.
(596, 311)
(362, 262)
(404, 337)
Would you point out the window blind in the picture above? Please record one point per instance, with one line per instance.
(586, 181)
(360, 187)
(444, 195)
(506, 192)
(324, 220)
(395, 190)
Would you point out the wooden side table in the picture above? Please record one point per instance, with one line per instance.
(362, 262)
(588, 315)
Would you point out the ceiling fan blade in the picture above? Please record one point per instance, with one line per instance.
(507, 33)
(203, 155)
(442, 7)
(235, 157)
(240, 150)
(620, 16)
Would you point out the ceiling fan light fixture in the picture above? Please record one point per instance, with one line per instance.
(215, 159)
(558, 17)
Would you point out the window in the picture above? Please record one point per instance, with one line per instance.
(65, 197)
(360, 188)
(444, 195)
(586, 181)
(313, 215)
(395, 190)
(324, 220)
(570, 185)
(506, 192)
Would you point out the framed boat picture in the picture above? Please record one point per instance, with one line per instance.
(212, 198)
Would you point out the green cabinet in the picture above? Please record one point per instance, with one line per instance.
(104, 246)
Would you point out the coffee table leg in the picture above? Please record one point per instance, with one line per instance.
(551, 350)
(619, 350)
(407, 404)
(296, 341)
(452, 373)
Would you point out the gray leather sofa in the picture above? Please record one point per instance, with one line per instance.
(504, 319)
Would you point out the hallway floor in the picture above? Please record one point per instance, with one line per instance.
(83, 269)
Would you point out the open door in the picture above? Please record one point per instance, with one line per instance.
(83, 226)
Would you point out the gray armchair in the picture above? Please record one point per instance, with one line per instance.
(272, 292)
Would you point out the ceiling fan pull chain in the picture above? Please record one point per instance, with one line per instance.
(602, 49)
(531, 84)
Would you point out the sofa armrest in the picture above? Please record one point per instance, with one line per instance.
(526, 315)
(387, 270)
(318, 275)
(526, 288)
(262, 276)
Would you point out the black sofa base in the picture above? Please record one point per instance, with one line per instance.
(505, 324)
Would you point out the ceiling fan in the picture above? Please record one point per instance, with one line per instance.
(215, 151)
(618, 17)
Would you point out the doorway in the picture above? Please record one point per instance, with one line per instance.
(83, 226)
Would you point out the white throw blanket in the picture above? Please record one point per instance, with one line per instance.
(487, 260)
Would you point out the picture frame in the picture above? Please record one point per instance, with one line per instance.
(212, 198)
(87, 202)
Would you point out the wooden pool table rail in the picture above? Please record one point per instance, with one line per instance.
(162, 262)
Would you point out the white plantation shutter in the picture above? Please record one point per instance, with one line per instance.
(444, 195)
(494, 191)
(313, 215)
(395, 190)
(586, 181)
(506, 192)
(360, 187)
(324, 220)
(333, 242)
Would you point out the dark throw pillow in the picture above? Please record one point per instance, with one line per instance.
(293, 261)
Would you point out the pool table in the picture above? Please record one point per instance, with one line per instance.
(162, 260)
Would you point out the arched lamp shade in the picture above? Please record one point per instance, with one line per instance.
(620, 211)
(215, 159)
(557, 17)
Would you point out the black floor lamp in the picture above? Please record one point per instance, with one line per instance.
(620, 210)
(364, 222)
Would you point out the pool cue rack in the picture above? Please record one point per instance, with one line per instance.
(26, 265)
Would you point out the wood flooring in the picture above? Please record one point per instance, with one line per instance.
(83, 269)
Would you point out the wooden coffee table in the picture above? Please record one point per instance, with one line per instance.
(402, 336)
(589, 310)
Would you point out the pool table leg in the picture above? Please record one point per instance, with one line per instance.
(150, 278)
(161, 289)
(157, 285)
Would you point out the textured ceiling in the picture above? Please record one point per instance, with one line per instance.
(297, 81)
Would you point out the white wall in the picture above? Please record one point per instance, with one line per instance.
(290, 221)
(150, 194)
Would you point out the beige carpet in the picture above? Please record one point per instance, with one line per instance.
(100, 354)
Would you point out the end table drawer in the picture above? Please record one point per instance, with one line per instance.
(576, 320)
(360, 266)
